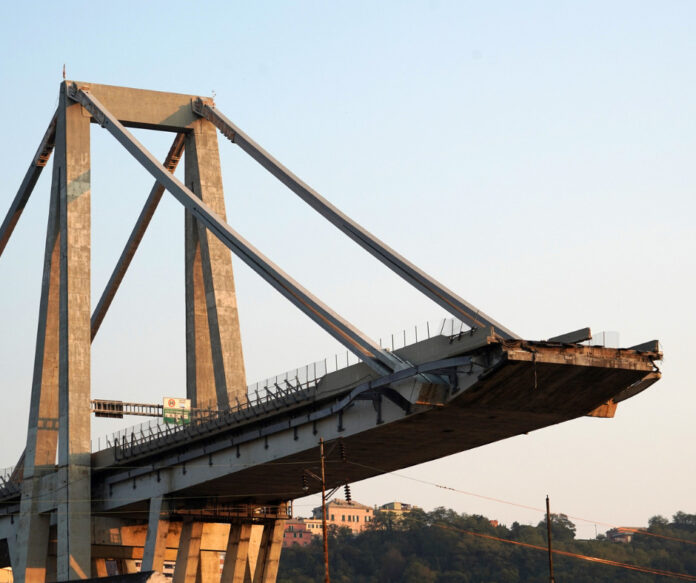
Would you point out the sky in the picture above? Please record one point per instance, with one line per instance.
(537, 158)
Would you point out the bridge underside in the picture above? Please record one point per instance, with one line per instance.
(229, 473)
(524, 392)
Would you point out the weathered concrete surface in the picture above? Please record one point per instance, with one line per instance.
(527, 386)
(215, 363)
(144, 108)
(73, 492)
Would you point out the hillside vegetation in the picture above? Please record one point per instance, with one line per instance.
(445, 547)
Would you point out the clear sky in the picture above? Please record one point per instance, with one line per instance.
(536, 157)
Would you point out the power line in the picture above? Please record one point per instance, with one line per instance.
(525, 506)
(649, 570)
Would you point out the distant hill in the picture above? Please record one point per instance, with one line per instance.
(445, 547)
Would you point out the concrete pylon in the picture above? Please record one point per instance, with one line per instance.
(215, 363)
(59, 419)
(268, 558)
(42, 434)
(73, 488)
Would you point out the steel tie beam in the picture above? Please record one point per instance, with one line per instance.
(363, 347)
(426, 284)
(38, 163)
(136, 236)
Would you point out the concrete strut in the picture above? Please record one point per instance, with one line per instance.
(188, 557)
(215, 364)
(269, 552)
(156, 541)
(236, 567)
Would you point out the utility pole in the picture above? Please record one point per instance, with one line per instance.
(305, 487)
(323, 514)
(548, 532)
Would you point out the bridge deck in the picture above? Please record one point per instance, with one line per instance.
(506, 388)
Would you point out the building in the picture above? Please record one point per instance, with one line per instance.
(397, 508)
(340, 513)
(297, 533)
(622, 534)
(313, 525)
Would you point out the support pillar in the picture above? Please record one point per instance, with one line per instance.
(215, 363)
(269, 552)
(156, 540)
(236, 567)
(209, 567)
(189, 552)
(99, 568)
(42, 435)
(74, 456)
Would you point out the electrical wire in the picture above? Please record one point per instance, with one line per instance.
(649, 570)
(525, 506)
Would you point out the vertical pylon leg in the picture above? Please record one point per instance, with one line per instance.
(156, 540)
(200, 377)
(42, 434)
(269, 552)
(236, 567)
(74, 456)
(215, 363)
(188, 556)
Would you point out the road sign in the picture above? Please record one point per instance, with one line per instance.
(177, 411)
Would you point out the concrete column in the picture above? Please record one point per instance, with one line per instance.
(236, 567)
(212, 295)
(200, 377)
(128, 567)
(209, 567)
(188, 555)
(73, 488)
(254, 548)
(269, 552)
(156, 540)
(99, 568)
(42, 434)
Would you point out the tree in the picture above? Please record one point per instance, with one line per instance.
(561, 527)
(684, 521)
(658, 522)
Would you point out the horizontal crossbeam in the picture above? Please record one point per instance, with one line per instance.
(423, 282)
(363, 347)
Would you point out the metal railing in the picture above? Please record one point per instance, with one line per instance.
(273, 393)
(7, 487)
(607, 339)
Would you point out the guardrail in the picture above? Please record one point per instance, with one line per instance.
(273, 393)
(8, 488)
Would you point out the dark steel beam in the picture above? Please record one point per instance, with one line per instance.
(38, 163)
(363, 347)
(423, 282)
(136, 236)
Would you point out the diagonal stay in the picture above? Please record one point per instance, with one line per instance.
(136, 236)
(363, 347)
(423, 282)
(38, 163)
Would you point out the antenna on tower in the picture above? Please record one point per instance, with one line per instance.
(63, 71)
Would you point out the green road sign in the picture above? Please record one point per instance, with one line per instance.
(176, 411)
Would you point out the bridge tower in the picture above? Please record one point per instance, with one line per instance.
(56, 496)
